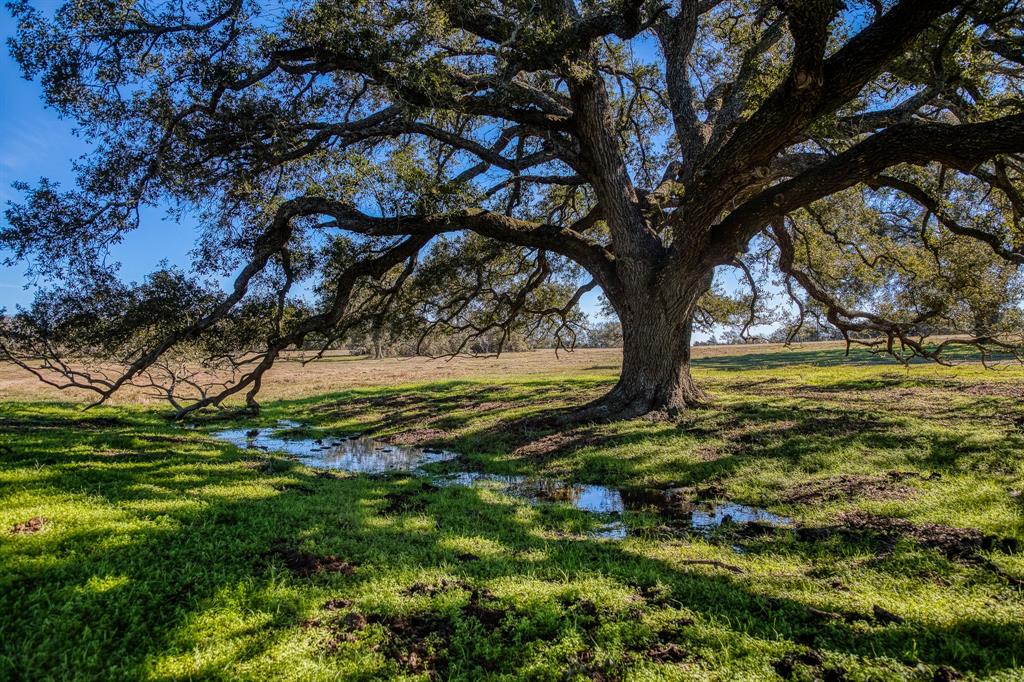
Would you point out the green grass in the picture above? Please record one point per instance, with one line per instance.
(165, 554)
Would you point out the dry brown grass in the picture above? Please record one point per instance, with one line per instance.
(291, 379)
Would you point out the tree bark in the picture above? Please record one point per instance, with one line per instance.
(655, 378)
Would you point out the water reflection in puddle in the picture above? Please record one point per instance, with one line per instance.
(596, 499)
(709, 517)
(357, 454)
(363, 455)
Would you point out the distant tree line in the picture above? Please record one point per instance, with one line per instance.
(453, 176)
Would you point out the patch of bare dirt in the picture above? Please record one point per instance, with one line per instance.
(33, 525)
(667, 652)
(845, 486)
(685, 497)
(418, 642)
(502, 405)
(963, 544)
(663, 647)
(743, 430)
(944, 673)
(839, 424)
(342, 630)
(306, 564)
(654, 595)
(757, 431)
(556, 443)
(484, 609)
(997, 389)
(425, 436)
(956, 543)
(355, 621)
(793, 663)
(709, 453)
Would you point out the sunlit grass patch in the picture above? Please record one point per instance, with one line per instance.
(146, 549)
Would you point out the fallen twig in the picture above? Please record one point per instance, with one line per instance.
(713, 562)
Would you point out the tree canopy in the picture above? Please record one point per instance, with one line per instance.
(472, 168)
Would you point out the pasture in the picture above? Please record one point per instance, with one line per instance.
(136, 547)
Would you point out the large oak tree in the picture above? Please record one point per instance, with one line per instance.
(461, 166)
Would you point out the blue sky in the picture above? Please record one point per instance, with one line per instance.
(35, 142)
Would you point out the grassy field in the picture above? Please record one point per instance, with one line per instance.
(132, 547)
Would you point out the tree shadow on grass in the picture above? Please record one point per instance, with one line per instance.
(829, 357)
(504, 428)
(209, 588)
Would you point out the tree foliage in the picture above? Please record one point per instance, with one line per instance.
(469, 169)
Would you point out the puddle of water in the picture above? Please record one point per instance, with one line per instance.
(363, 455)
(360, 455)
(721, 513)
(597, 499)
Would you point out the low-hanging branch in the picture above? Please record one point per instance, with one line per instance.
(461, 174)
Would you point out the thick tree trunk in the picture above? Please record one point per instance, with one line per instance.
(655, 378)
(656, 368)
